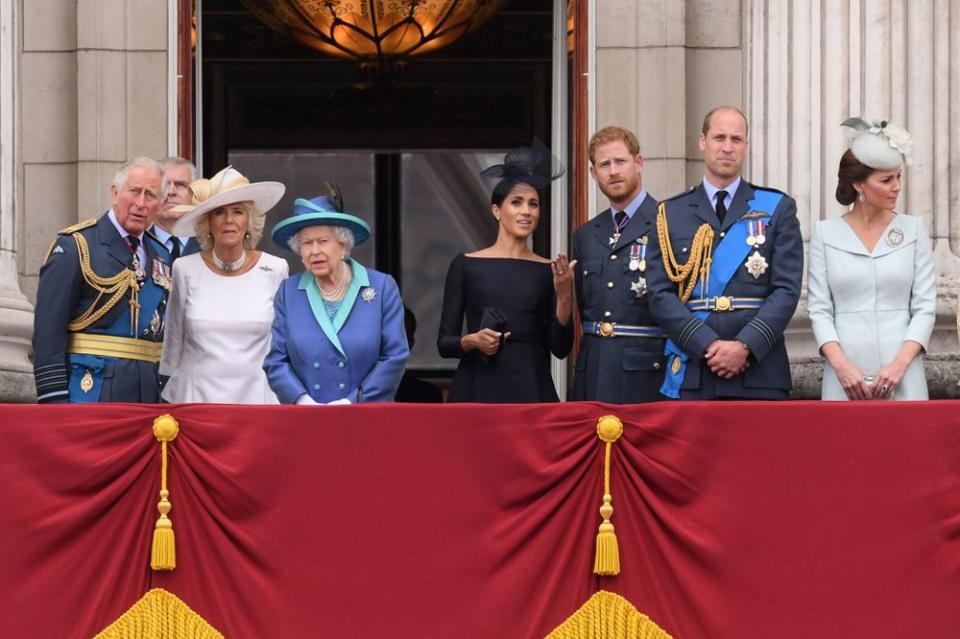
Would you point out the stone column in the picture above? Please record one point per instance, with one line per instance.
(810, 65)
(16, 314)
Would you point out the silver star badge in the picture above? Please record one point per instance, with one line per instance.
(756, 265)
(639, 287)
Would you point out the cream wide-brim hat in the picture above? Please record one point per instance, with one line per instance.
(226, 187)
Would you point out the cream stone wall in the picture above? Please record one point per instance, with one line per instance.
(85, 88)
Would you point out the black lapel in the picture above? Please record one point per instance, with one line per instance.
(738, 206)
(117, 247)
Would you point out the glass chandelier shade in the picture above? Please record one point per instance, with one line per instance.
(374, 31)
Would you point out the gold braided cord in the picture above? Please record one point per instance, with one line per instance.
(115, 286)
(160, 614)
(607, 615)
(701, 256)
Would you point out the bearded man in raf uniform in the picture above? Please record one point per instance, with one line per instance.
(725, 276)
(103, 289)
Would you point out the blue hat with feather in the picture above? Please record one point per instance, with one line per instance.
(323, 210)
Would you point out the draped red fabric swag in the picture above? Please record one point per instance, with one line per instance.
(733, 520)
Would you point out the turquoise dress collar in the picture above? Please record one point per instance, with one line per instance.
(331, 328)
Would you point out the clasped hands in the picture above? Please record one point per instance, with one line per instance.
(727, 357)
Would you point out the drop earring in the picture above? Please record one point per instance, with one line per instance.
(860, 197)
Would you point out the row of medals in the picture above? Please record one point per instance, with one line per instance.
(160, 279)
(638, 262)
(756, 264)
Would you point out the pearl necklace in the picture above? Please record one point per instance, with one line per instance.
(236, 265)
(338, 289)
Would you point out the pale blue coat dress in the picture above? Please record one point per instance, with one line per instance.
(871, 302)
(359, 355)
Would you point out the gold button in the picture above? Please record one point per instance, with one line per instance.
(656, 366)
(723, 234)
(606, 313)
(609, 284)
(684, 249)
(613, 257)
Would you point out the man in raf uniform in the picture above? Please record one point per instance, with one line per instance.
(725, 276)
(178, 173)
(621, 355)
(100, 303)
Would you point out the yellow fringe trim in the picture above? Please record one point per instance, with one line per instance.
(606, 560)
(163, 552)
(160, 615)
(607, 615)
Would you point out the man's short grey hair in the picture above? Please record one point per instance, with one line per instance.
(172, 161)
(120, 177)
(342, 233)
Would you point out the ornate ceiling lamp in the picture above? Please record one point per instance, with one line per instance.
(376, 33)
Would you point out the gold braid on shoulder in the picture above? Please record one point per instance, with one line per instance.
(701, 256)
(116, 286)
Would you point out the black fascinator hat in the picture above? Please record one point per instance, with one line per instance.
(533, 165)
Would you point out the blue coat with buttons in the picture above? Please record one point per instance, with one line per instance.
(762, 330)
(359, 355)
(622, 369)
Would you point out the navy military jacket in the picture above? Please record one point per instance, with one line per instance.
(768, 376)
(64, 294)
(618, 369)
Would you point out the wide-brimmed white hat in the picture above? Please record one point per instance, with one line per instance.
(226, 187)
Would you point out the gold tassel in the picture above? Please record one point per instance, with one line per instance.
(606, 560)
(163, 553)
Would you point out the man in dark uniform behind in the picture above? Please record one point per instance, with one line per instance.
(100, 303)
(621, 355)
(725, 275)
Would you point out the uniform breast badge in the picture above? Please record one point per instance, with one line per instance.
(894, 237)
(756, 265)
(368, 294)
(639, 287)
(156, 323)
(86, 382)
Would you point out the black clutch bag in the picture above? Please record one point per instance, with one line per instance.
(495, 320)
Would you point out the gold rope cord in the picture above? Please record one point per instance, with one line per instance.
(160, 615)
(701, 256)
(607, 615)
(116, 286)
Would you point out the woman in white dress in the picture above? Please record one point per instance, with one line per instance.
(871, 284)
(221, 304)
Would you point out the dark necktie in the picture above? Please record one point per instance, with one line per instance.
(620, 220)
(721, 207)
(175, 251)
(134, 243)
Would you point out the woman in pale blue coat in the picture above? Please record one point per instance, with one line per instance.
(338, 334)
(871, 284)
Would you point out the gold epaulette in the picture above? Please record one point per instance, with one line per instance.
(73, 228)
(79, 226)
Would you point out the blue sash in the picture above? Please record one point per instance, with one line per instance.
(151, 297)
(727, 258)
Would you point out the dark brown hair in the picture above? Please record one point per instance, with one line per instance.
(850, 172)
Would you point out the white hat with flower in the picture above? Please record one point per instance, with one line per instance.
(880, 145)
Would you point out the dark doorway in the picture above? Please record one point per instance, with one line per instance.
(406, 149)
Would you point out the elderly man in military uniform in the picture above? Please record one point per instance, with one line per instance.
(100, 302)
(621, 356)
(725, 276)
(178, 173)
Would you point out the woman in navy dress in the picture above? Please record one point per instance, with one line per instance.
(517, 305)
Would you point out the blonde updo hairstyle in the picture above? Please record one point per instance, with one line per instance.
(255, 224)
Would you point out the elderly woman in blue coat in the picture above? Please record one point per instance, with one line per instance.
(338, 335)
